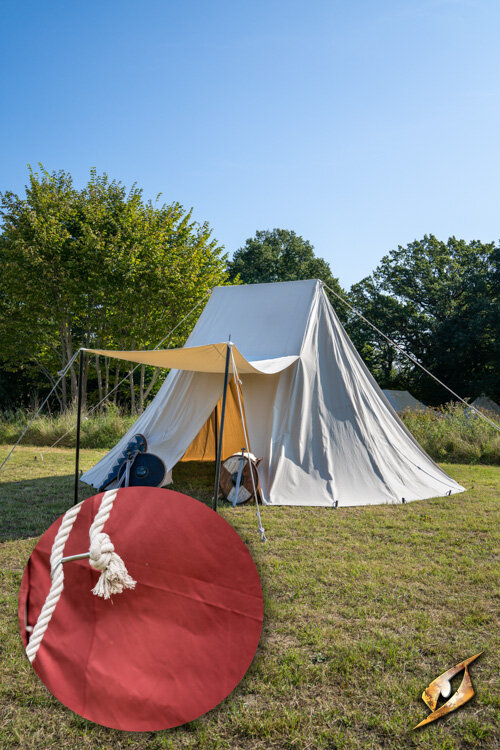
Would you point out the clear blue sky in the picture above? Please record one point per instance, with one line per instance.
(361, 125)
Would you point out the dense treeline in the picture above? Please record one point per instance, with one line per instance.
(440, 301)
(103, 268)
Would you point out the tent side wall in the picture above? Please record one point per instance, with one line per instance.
(401, 400)
(170, 423)
(377, 459)
(327, 432)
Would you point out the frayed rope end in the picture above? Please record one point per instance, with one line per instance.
(114, 576)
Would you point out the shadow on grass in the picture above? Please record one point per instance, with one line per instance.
(30, 506)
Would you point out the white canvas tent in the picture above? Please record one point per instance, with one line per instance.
(401, 400)
(314, 413)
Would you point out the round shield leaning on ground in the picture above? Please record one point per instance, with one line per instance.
(176, 640)
(236, 480)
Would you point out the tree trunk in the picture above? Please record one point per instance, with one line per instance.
(388, 362)
(151, 384)
(132, 391)
(64, 394)
(67, 346)
(106, 375)
(51, 381)
(64, 362)
(99, 376)
(117, 380)
(141, 389)
(85, 380)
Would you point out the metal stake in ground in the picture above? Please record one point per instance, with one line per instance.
(221, 429)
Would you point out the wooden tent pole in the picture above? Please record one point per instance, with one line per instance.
(78, 422)
(221, 429)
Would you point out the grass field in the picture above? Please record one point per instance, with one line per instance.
(363, 608)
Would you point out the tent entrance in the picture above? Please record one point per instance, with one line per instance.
(204, 445)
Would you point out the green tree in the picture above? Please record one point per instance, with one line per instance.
(99, 268)
(440, 302)
(37, 283)
(282, 255)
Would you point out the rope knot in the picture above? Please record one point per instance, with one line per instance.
(101, 549)
(114, 575)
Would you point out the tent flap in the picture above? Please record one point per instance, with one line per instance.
(208, 358)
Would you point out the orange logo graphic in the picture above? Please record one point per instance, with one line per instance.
(442, 686)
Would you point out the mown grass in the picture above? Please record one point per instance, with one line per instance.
(363, 608)
(452, 433)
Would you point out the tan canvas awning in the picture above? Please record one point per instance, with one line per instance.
(209, 358)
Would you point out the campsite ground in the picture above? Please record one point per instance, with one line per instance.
(363, 608)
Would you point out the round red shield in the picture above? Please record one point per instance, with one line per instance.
(165, 652)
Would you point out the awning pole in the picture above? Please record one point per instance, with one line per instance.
(78, 422)
(216, 425)
(221, 429)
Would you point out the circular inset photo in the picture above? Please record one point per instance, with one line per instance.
(177, 639)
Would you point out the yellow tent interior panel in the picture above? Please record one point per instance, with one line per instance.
(203, 447)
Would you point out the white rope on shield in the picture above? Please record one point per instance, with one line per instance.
(114, 577)
(57, 581)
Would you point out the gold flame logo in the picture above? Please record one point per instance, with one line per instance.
(442, 686)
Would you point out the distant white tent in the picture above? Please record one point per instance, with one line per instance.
(484, 403)
(325, 430)
(401, 400)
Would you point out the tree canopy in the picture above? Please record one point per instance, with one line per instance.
(101, 267)
(97, 267)
(440, 302)
(282, 255)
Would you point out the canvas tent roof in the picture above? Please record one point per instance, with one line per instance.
(401, 400)
(324, 429)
